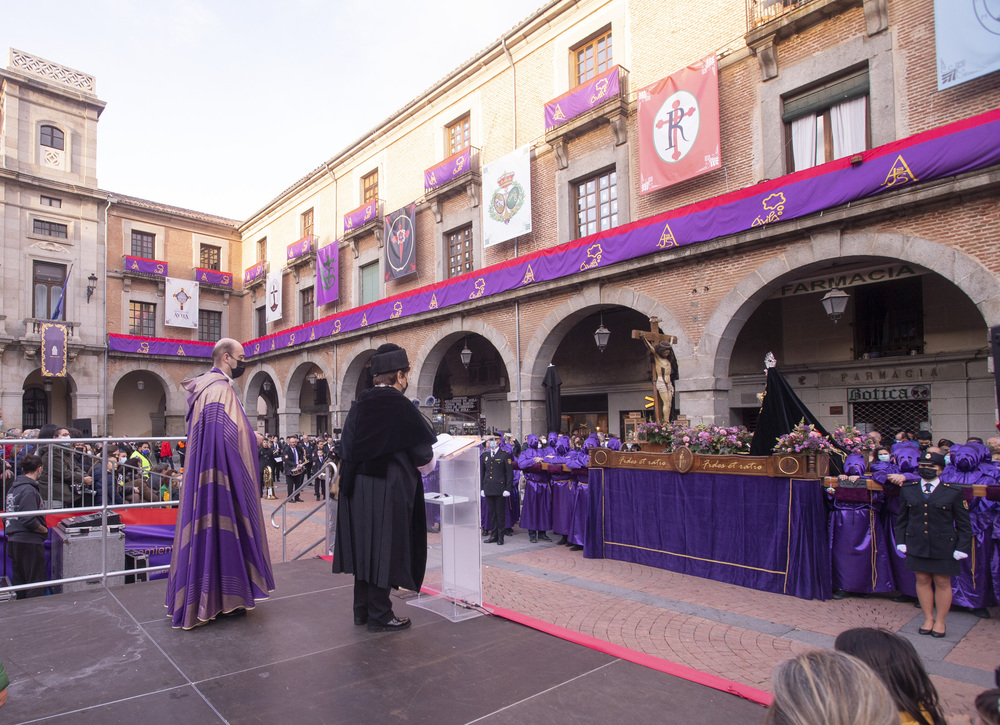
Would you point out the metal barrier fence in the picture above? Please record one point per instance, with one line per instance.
(69, 457)
(326, 503)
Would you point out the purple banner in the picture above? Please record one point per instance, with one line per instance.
(400, 242)
(301, 247)
(252, 274)
(145, 266)
(159, 346)
(361, 216)
(448, 169)
(211, 276)
(957, 148)
(582, 98)
(328, 272)
(53, 350)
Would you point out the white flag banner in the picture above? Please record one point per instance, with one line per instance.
(967, 35)
(181, 308)
(507, 193)
(272, 300)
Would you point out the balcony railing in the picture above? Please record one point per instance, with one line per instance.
(764, 11)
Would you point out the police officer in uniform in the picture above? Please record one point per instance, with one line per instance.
(497, 483)
(935, 532)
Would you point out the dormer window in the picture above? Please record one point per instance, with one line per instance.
(53, 137)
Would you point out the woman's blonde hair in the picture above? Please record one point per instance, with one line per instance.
(829, 688)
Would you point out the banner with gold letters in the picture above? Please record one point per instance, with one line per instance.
(328, 274)
(967, 36)
(584, 97)
(272, 297)
(53, 350)
(679, 126)
(507, 197)
(181, 303)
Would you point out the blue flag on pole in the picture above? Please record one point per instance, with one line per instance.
(57, 312)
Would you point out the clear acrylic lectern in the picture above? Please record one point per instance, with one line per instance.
(454, 554)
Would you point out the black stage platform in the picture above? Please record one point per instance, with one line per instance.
(109, 656)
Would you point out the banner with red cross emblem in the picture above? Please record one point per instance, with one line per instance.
(679, 126)
(400, 243)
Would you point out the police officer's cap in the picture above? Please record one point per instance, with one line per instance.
(934, 459)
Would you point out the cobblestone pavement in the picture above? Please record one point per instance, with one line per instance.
(722, 629)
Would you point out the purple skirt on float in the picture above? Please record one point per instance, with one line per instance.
(581, 510)
(536, 514)
(859, 547)
(973, 587)
(562, 506)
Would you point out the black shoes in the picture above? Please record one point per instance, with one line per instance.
(564, 541)
(492, 540)
(396, 624)
(542, 536)
(508, 532)
(358, 621)
(938, 635)
(532, 537)
(576, 547)
(242, 612)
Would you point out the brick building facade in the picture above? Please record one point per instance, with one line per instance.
(918, 261)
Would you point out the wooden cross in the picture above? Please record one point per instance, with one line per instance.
(653, 337)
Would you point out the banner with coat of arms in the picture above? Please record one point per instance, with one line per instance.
(679, 126)
(181, 308)
(507, 192)
(400, 242)
(272, 297)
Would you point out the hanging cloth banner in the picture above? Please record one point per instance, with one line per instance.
(181, 303)
(211, 276)
(583, 98)
(400, 242)
(145, 266)
(252, 274)
(159, 346)
(507, 185)
(272, 297)
(328, 271)
(679, 126)
(299, 248)
(53, 350)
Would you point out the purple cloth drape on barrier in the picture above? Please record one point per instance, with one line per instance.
(758, 532)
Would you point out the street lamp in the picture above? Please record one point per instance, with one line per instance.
(311, 377)
(466, 355)
(92, 280)
(835, 302)
(141, 384)
(602, 335)
(267, 386)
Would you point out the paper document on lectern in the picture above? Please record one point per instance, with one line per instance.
(448, 446)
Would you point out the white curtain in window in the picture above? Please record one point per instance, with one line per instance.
(804, 142)
(847, 124)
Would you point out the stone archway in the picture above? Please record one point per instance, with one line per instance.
(289, 413)
(256, 388)
(719, 337)
(352, 370)
(174, 410)
(550, 332)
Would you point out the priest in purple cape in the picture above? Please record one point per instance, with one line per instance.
(381, 535)
(220, 564)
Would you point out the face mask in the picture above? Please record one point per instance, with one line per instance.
(493, 446)
(123, 459)
(947, 458)
(238, 370)
(884, 457)
(542, 442)
(928, 474)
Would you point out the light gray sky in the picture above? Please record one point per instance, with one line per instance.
(219, 105)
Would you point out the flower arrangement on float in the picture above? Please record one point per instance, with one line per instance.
(853, 440)
(705, 439)
(804, 438)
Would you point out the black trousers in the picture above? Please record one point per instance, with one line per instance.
(318, 487)
(371, 601)
(29, 566)
(496, 513)
(292, 483)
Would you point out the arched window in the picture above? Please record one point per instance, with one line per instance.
(52, 137)
(34, 408)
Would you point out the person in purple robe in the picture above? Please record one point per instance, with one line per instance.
(858, 540)
(562, 489)
(220, 563)
(536, 514)
(581, 498)
(901, 468)
(973, 587)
